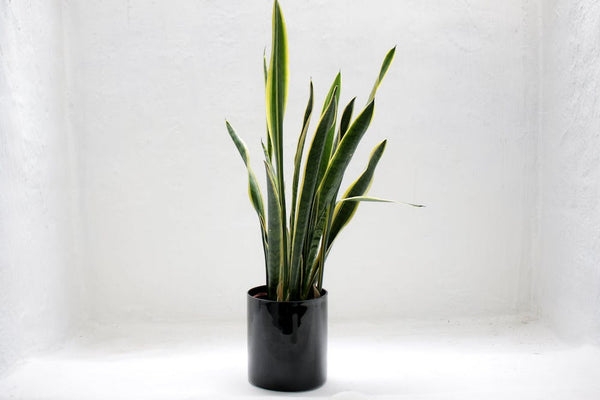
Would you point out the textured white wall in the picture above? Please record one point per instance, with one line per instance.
(568, 280)
(38, 251)
(169, 232)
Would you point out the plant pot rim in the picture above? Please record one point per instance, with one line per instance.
(257, 289)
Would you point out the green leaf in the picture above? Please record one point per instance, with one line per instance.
(330, 184)
(343, 154)
(265, 151)
(337, 82)
(275, 256)
(345, 120)
(345, 211)
(276, 96)
(305, 204)
(315, 228)
(318, 232)
(321, 260)
(253, 188)
(313, 274)
(378, 200)
(265, 69)
(384, 67)
(298, 156)
(269, 155)
(276, 90)
(356, 199)
(334, 93)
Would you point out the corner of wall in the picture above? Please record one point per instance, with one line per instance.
(39, 217)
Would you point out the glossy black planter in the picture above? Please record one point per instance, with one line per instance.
(287, 342)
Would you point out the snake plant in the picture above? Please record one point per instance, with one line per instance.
(296, 249)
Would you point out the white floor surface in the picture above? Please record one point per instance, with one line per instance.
(500, 358)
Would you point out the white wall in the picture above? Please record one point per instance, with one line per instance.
(568, 280)
(38, 252)
(169, 232)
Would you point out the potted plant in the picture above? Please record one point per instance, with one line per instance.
(287, 317)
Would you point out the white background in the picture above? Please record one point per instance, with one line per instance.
(124, 199)
(169, 232)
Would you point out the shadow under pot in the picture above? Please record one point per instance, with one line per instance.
(287, 342)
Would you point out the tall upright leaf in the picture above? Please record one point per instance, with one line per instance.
(344, 211)
(389, 57)
(345, 120)
(328, 149)
(343, 155)
(321, 227)
(277, 82)
(333, 178)
(305, 204)
(275, 254)
(298, 156)
(276, 96)
(334, 93)
(337, 82)
(253, 188)
(254, 192)
(269, 141)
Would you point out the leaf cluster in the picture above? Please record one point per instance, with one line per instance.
(296, 248)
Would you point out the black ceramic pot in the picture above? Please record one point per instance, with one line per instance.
(287, 342)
